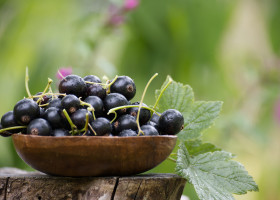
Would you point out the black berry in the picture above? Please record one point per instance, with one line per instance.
(40, 127)
(96, 90)
(148, 130)
(52, 115)
(60, 132)
(127, 133)
(79, 118)
(125, 86)
(25, 111)
(73, 84)
(171, 122)
(144, 116)
(8, 120)
(125, 122)
(101, 126)
(70, 103)
(55, 103)
(115, 100)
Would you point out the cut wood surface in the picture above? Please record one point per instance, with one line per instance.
(19, 184)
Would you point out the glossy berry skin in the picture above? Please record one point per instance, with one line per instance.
(5, 133)
(55, 103)
(8, 120)
(73, 84)
(45, 99)
(60, 133)
(127, 133)
(97, 104)
(101, 126)
(92, 78)
(96, 90)
(40, 127)
(79, 118)
(25, 111)
(113, 100)
(125, 122)
(171, 122)
(125, 86)
(144, 116)
(149, 130)
(155, 118)
(52, 115)
(70, 103)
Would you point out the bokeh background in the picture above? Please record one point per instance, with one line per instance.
(226, 50)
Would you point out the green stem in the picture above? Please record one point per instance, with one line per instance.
(85, 129)
(172, 159)
(90, 108)
(92, 129)
(73, 127)
(129, 106)
(45, 90)
(12, 128)
(141, 102)
(162, 91)
(26, 82)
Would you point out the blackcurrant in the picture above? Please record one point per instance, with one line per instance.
(70, 103)
(73, 84)
(155, 118)
(92, 78)
(40, 127)
(25, 111)
(53, 116)
(125, 122)
(96, 90)
(8, 120)
(148, 130)
(171, 122)
(55, 103)
(125, 86)
(5, 133)
(79, 118)
(45, 98)
(127, 133)
(144, 116)
(113, 100)
(101, 126)
(60, 132)
(96, 103)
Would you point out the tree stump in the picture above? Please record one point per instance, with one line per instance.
(19, 184)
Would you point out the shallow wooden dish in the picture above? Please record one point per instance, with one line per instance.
(93, 155)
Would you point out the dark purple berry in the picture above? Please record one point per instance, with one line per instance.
(171, 122)
(148, 130)
(127, 133)
(125, 122)
(25, 111)
(73, 84)
(52, 115)
(96, 90)
(125, 86)
(79, 118)
(60, 133)
(92, 78)
(8, 120)
(115, 100)
(55, 103)
(45, 99)
(96, 103)
(70, 103)
(5, 133)
(144, 116)
(40, 127)
(101, 126)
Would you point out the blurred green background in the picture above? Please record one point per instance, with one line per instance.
(226, 50)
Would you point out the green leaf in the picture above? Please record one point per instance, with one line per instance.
(214, 175)
(201, 117)
(196, 147)
(198, 115)
(176, 96)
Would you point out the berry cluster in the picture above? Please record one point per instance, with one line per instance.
(88, 107)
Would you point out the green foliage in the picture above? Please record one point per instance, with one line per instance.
(198, 115)
(211, 171)
(214, 175)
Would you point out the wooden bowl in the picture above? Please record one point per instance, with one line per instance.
(93, 155)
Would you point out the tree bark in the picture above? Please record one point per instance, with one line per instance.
(19, 184)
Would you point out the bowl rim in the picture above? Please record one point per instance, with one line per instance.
(96, 137)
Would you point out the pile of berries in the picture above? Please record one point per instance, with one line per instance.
(88, 107)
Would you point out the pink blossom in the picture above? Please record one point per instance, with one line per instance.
(130, 4)
(62, 72)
